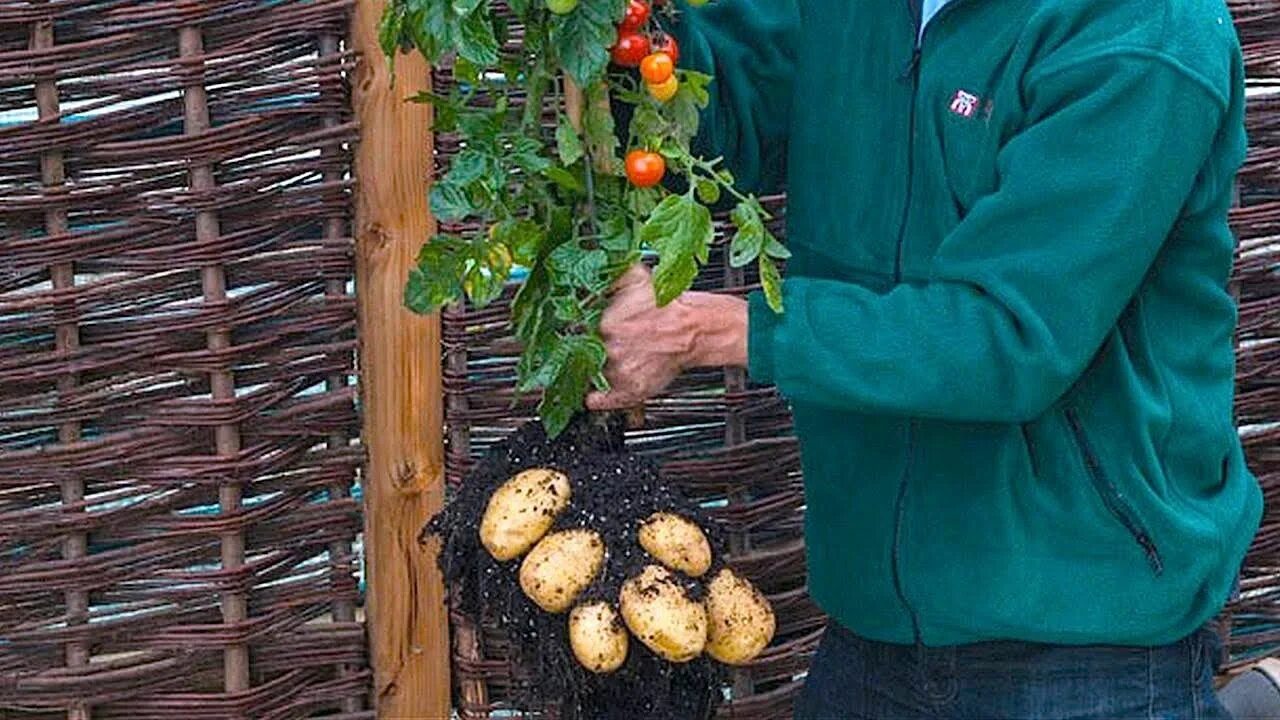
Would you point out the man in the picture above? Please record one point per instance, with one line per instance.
(1007, 340)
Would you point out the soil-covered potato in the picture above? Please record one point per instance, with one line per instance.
(597, 636)
(560, 567)
(521, 511)
(662, 616)
(741, 619)
(676, 542)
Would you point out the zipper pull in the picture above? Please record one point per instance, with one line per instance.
(909, 72)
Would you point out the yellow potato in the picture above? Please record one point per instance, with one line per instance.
(560, 567)
(521, 511)
(597, 637)
(676, 542)
(660, 614)
(742, 621)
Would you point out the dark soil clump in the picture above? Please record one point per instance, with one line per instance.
(612, 492)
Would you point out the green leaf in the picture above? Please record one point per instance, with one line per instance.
(648, 125)
(583, 359)
(681, 231)
(775, 249)
(642, 201)
(476, 41)
(523, 237)
(560, 223)
(390, 29)
(435, 281)
(564, 179)
(771, 282)
(695, 84)
(467, 166)
(575, 266)
(568, 144)
(529, 308)
(685, 108)
(433, 27)
(502, 33)
(519, 7)
(450, 202)
(531, 163)
(479, 126)
(567, 309)
(616, 237)
(426, 293)
(745, 246)
(446, 108)
(482, 285)
(466, 7)
(465, 71)
(708, 191)
(581, 39)
(749, 239)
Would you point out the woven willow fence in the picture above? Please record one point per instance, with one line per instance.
(176, 354)
(1255, 619)
(726, 441)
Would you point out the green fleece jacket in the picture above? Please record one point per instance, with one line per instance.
(1008, 331)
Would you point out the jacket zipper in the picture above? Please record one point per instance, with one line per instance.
(1111, 496)
(911, 74)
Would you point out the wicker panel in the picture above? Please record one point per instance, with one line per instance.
(176, 362)
(723, 439)
(1254, 620)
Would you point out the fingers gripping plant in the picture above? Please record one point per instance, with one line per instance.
(554, 187)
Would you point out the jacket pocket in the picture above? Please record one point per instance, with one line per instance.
(1110, 494)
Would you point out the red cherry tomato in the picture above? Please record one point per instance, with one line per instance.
(657, 68)
(644, 168)
(630, 49)
(637, 15)
(665, 43)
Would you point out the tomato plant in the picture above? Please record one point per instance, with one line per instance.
(541, 186)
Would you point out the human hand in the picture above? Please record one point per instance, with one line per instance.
(649, 346)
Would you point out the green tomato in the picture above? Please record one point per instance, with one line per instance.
(562, 7)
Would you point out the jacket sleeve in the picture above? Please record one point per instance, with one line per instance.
(1023, 292)
(749, 48)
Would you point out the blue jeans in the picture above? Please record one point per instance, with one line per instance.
(856, 679)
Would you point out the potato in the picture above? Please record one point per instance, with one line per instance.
(741, 619)
(560, 567)
(521, 511)
(676, 542)
(660, 614)
(597, 637)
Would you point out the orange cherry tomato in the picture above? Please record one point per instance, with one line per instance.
(664, 91)
(657, 68)
(644, 168)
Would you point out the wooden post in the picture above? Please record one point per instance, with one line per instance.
(400, 384)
